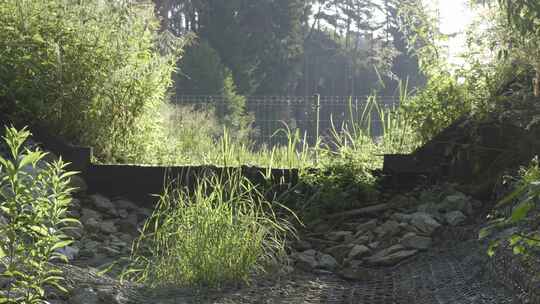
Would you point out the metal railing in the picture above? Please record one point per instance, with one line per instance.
(311, 115)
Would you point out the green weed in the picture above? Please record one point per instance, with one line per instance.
(33, 204)
(224, 231)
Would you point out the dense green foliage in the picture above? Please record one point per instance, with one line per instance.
(88, 70)
(224, 231)
(296, 47)
(201, 71)
(524, 203)
(34, 197)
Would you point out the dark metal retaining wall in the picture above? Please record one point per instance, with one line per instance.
(138, 183)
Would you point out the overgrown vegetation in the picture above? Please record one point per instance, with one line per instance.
(34, 197)
(224, 231)
(91, 71)
(99, 74)
(522, 221)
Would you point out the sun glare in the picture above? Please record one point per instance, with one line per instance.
(454, 17)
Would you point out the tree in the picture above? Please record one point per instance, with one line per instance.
(523, 19)
(200, 72)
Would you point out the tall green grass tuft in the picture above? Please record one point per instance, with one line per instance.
(222, 232)
(347, 158)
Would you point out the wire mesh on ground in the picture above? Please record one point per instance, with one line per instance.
(455, 271)
(308, 114)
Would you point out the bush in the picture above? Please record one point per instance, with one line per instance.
(222, 232)
(33, 203)
(87, 70)
(437, 105)
(524, 201)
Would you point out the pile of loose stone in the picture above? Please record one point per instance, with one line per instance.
(107, 231)
(382, 235)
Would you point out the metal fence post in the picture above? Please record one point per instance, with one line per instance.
(317, 101)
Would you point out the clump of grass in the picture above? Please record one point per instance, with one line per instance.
(347, 158)
(222, 232)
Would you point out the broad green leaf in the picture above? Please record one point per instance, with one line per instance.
(521, 211)
(509, 198)
(61, 244)
(41, 230)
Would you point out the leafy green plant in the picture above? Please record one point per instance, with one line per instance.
(222, 232)
(344, 176)
(522, 34)
(89, 71)
(524, 200)
(33, 203)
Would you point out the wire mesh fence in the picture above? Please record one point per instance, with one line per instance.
(312, 116)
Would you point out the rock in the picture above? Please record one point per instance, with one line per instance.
(110, 251)
(339, 252)
(112, 296)
(302, 245)
(89, 248)
(75, 204)
(338, 236)
(123, 213)
(363, 239)
(321, 227)
(454, 218)
(128, 225)
(84, 296)
(327, 262)
(429, 208)
(126, 238)
(402, 201)
(75, 232)
(108, 227)
(424, 222)
(306, 260)
(374, 245)
(312, 259)
(401, 217)
(100, 260)
(457, 202)
(70, 252)
(78, 183)
(89, 213)
(125, 204)
(103, 204)
(92, 225)
(390, 256)
(411, 240)
(367, 226)
(358, 251)
(388, 229)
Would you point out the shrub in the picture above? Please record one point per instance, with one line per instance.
(88, 70)
(33, 203)
(524, 202)
(222, 232)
